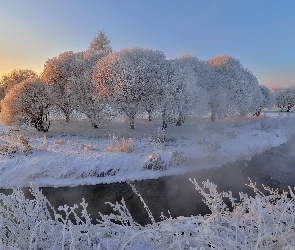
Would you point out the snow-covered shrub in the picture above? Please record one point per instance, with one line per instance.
(178, 158)
(155, 162)
(160, 138)
(26, 103)
(35, 224)
(121, 145)
(260, 222)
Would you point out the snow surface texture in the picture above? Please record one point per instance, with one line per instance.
(74, 153)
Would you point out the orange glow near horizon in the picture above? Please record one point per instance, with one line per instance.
(6, 66)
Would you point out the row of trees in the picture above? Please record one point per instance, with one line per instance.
(101, 83)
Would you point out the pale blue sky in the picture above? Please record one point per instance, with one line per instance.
(260, 33)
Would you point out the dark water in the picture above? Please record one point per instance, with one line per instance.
(274, 168)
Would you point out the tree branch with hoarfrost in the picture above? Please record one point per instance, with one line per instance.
(259, 222)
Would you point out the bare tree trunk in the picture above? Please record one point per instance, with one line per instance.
(150, 116)
(149, 110)
(164, 126)
(94, 125)
(66, 113)
(213, 114)
(219, 114)
(67, 117)
(131, 119)
(93, 121)
(180, 119)
(131, 115)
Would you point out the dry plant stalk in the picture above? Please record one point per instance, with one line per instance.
(26, 148)
(58, 142)
(8, 149)
(89, 147)
(128, 181)
(121, 145)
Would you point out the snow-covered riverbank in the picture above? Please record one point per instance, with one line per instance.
(74, 153)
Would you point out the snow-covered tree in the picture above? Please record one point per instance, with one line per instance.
(255, 97)
(84, 97)
(101, 43)
(26, 103)
(211, 82)
(14, 77)
(56, 74)
(285, 98)
(268, 97)
(241, 85)
(179, 92)
(130, 79)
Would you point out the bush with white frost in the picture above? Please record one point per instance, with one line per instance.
(260, 222)
(26, 103)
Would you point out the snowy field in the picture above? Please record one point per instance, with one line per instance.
(74, 153)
